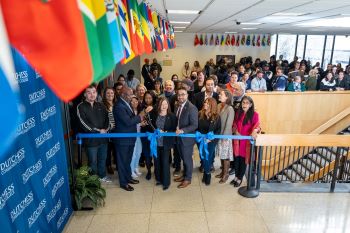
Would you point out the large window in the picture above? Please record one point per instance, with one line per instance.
(301, 45)
(314, 48)
(273, 45)
(328, 51)
(341, 52)
(286, 46)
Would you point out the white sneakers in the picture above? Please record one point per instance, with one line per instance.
(106, 179)
(133, 175)
(137, 172)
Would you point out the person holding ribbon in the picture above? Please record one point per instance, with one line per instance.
(209, 121)
(224, 148)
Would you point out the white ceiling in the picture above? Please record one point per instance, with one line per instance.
(219, 16)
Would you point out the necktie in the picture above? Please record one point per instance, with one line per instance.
(178, 114)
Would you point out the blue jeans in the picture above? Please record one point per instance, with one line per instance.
(97, 159)
(136, 155)
(209, 163)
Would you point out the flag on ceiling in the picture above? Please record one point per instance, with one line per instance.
(269, 40)
(211, 42)
(263, 42)
(243, 39)
(222, 40)
(50, 34)
(206, 39)
(201, 40)
(233, 40)
(168, 35)
(253, 40)
(152, 30)
(258, 41)
(217, 41)
(11, 114)
(157, 30)
(237, 41)
(228, 40)
(165, 35)
(248, 40)
(145, 28)
(114, 31)
(172, 37)
(135, 33)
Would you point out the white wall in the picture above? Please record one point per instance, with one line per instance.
(185, 51)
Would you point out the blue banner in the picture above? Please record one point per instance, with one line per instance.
(34, 185)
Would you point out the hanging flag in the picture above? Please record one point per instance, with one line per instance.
(211, 42)
(228, 40)
(172, 37)
(253, 41)
(269, 40)
(47, 33)
(135, 33)
(237, 41)
(157, 31)
(248, 40)
(201, 42)
(152, 30)
(243, 40)
(233, 41)
(11, 114)
(206, 39)
(165, 37)
(145, 28)
(217, 41)
(114, 31)
(222, 40)
(161, 35)
(263, 43)
(196, 40)
(258, 41)
(168, 35)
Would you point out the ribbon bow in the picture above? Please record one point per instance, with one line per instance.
(153, 138)
(203, 144)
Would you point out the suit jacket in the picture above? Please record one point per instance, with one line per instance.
(198, 99)
(125, 121)
(188, 122)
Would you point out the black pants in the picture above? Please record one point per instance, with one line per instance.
(146, 151)
(110, 154)
(240, 167)
(162, 166)
(177, 159)
(124, 156)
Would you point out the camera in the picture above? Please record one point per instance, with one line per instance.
(238, 23)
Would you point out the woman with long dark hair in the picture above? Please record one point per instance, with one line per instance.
(246, 123)
(209, 121)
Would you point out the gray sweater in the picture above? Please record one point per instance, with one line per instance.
(227, 116)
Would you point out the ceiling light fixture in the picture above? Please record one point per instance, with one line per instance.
(179, 27)
(251, 23)
(184, 12)
(178, 31)
(180, 22)
(249, 28)
(287, 14)
(342, 22)
(230, 32)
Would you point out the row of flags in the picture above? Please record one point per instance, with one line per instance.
(73, 43)
(233, 40)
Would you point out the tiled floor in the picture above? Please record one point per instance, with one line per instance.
(216, 208)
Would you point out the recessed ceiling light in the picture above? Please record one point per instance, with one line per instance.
(345, 14)
(230, 32)
(342, 22)
(180, 22)
(178, 31)
(251, 23)
(179, 27)
(249, 28)
(186, 12)
(287, 14)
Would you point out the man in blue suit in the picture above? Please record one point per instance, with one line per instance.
(126, 122)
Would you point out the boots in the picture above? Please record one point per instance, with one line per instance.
(225, 174)
(207, 179)
(222, 170)
(204, 177)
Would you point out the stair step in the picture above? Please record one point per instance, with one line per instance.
(310, 165)
(303, 171)
(283, 179)
(293, 175)
(329, 155)
(318, 159)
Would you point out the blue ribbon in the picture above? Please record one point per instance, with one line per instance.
(153, 138)
(202, 139)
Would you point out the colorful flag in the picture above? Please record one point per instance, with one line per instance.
(157, 30)
(206, 39)
(263, 43)
(50, 34)
(135, 33)
(248, 40)
(196, 40)
(228, 40)
(11, 114)
(243, 40)
(211, 42)
(237, 41)
(258, 41)
(201, 40)
(168, 35)
(145, 28)
(172, 37)
(253, 41)
(222, 40)
(152, 30)
(233, 40)
(165, 36)
(114, 31)
(269, 40)
(217, 41)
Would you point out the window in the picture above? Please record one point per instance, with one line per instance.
(273, 45)
(300, 48)
(286, 46)
(341, 52)
(328, 51)
(314, 48)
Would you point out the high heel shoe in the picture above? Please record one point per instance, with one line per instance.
(237, 183)
(207, 179)
(204, 177)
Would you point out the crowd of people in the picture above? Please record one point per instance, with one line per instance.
(209, 99)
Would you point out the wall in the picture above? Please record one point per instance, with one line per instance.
(185, 51)
(123, 69)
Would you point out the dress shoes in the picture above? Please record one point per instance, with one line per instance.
(177, 173)
(179, 179)
(148, 176)
(165, 188)
(133, 181)
(184, 184)
(127, 188)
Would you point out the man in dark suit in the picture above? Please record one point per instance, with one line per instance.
(146, 71)
(126, 122)
(187, 122)
(200, 97)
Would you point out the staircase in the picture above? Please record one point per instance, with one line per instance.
(317, 166)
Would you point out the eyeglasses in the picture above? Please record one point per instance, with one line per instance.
(184, 94)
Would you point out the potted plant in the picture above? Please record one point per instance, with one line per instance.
(88, 189)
